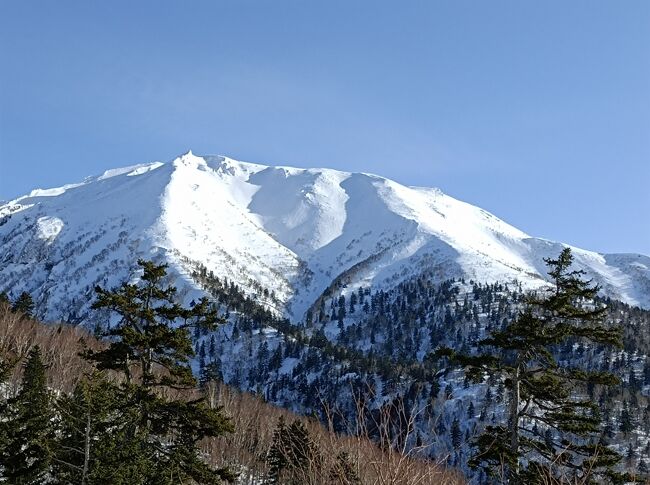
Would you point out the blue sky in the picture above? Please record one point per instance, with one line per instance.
(536, 111)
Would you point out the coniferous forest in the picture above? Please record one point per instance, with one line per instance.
(127, 408)
(342, 242)
(425, 383)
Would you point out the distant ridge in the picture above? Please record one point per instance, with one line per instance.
(291, 230)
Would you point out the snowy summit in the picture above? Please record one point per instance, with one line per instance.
(293, 231)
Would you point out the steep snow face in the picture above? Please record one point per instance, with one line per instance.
(302, 208)
(205, 218)
(294, 231)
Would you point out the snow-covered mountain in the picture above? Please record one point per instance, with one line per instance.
(293, 231)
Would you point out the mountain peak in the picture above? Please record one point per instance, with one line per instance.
(292, 230)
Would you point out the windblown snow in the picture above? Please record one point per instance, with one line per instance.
(294, 231)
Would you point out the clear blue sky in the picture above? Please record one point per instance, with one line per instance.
(536, 111)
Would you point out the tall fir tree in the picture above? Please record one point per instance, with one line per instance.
(293, 458)
(277, 458)
(151, 347)
(30, 426)
(456, 434)
(343, 471)
(24, 304)
(544, 394)
(89, 433)
(305, 456)
(6, 366)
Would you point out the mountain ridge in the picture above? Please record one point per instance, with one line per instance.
(294, 231)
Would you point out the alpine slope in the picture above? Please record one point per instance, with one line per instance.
(295, 232)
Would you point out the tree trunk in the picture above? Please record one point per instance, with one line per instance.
(86, 450)
(513, 427)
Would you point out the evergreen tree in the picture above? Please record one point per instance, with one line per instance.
(340, 316)
(456, 434)
(626, 423)
(29, 429)
(278, 456)
(24, 304)
(471, 412)
(211, 372)
(344, 472)
(304, 455)
(540, 389)
(90, 422)
(293, 458)
(6, 366)
(646, 372)
(151, 347)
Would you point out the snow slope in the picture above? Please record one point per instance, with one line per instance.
(294, 231)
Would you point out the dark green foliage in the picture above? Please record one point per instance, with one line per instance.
(543, 393)
(29, 430)
(211, 372)
(153, 332)
(6, 366)
(24, 304)
(456, 434)
(303, 451)
(151, 347)
(626, 426)
(471, 412)
(293, 457)
(90, 423)
(278, 455)
(98, 442)
(344, 472)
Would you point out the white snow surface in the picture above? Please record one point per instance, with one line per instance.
(294, 231)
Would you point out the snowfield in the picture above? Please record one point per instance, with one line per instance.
(293, 231)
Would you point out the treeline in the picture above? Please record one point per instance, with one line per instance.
(252, 314)
(365, 365)
(128, 410)
(377, 345)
